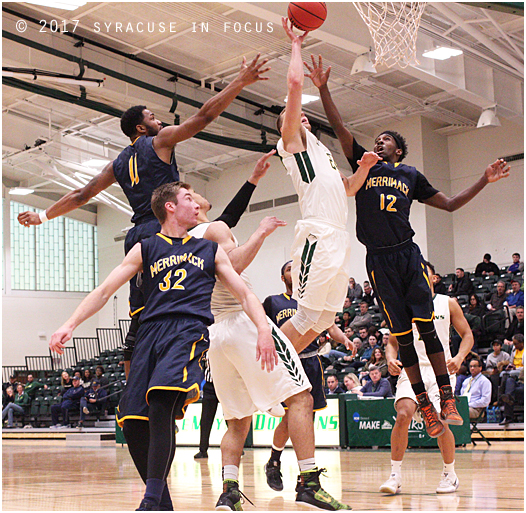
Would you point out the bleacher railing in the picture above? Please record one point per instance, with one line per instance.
(109, 338)
(39, 363)
(66, 360)
(86, 347)
(9, 370)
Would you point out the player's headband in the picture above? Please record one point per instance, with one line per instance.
(396, 138)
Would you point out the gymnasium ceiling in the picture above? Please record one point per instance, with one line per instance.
(50, 129)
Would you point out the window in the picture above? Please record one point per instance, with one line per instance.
(59, 255)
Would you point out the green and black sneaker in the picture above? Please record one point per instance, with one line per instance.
(310, 493)
(232, 497)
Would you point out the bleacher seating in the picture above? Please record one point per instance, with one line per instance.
(86, 352)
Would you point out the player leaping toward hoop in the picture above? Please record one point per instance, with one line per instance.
(147, 163)
(394, 263)
(321, 248)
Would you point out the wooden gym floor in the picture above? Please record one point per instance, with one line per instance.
(59, 475)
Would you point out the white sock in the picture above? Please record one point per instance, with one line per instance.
(307, 464)
(231, 472)
(396, 467)
(280, 449)
(449, 468)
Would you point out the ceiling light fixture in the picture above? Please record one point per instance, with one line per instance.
(488, 118)
(363, 64)
(442, 53)
(305, 98)
(68, 5)
(21, 191)
(96, 163)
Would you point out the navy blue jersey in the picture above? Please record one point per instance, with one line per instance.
(178, 277)
(384, 202)
(139, 171)
(281, 308)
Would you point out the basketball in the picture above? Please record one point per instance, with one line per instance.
(307, 15)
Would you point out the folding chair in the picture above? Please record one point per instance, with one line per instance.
(475, 429)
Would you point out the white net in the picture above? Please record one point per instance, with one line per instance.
(394, 29)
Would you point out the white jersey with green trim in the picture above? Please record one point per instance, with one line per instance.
(442, 322)
(317, 181)
(223, 302)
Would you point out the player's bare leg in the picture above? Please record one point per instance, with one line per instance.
(448, 481)
(405, 409)
(299, 341)
(231, 451)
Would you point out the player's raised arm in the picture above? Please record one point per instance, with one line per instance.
(320, 79)
(461, 325)
(291, 127)
(169, 136)
(266, 351)
(354, 183)
(71, 200)
(493, 173)
(96, 299)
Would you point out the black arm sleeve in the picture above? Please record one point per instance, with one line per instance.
(357, 153)
(234, 210)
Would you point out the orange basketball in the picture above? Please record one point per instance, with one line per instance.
(307, 15)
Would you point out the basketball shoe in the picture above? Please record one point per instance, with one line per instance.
(448, 407)
(393, 485)
(448, 483)
(232, 497)
(310, 493)
(434, 427)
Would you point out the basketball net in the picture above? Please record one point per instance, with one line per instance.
(394, 29)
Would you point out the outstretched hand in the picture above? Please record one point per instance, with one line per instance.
(293, 37)
(317, 75)
(499, 169)
(250, 73)
(59, 339)
(29, 219)
(269, 224)
(261, 167)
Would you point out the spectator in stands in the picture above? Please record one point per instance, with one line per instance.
(354, 290)
(70, 401)
(515, 296)
(333, 386)
(20, 405)
(368, 294)
(516, 326)
(347, 306)
(486, 267)
(497, 299)
(377, 360)
(475, 306)
(517, 266)
(517, 355)
(103, 380)
(385, 338)
(32, 386)
(8, 396)
(345, 321)
(79, 374)
(462, 375)
(492, 367)
(88, 377)
(93, 401)
(377, 386)
(363, 319)
(462, 284)
(13, 383)
(65, 382)
(349, 333)
(438, 284)
(477, 388)
(351, 381)
(511, 391)
(364, 355)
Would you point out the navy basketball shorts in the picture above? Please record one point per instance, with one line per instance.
(136, 234)
(402, 287)
(314, 372)
(166, 357)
